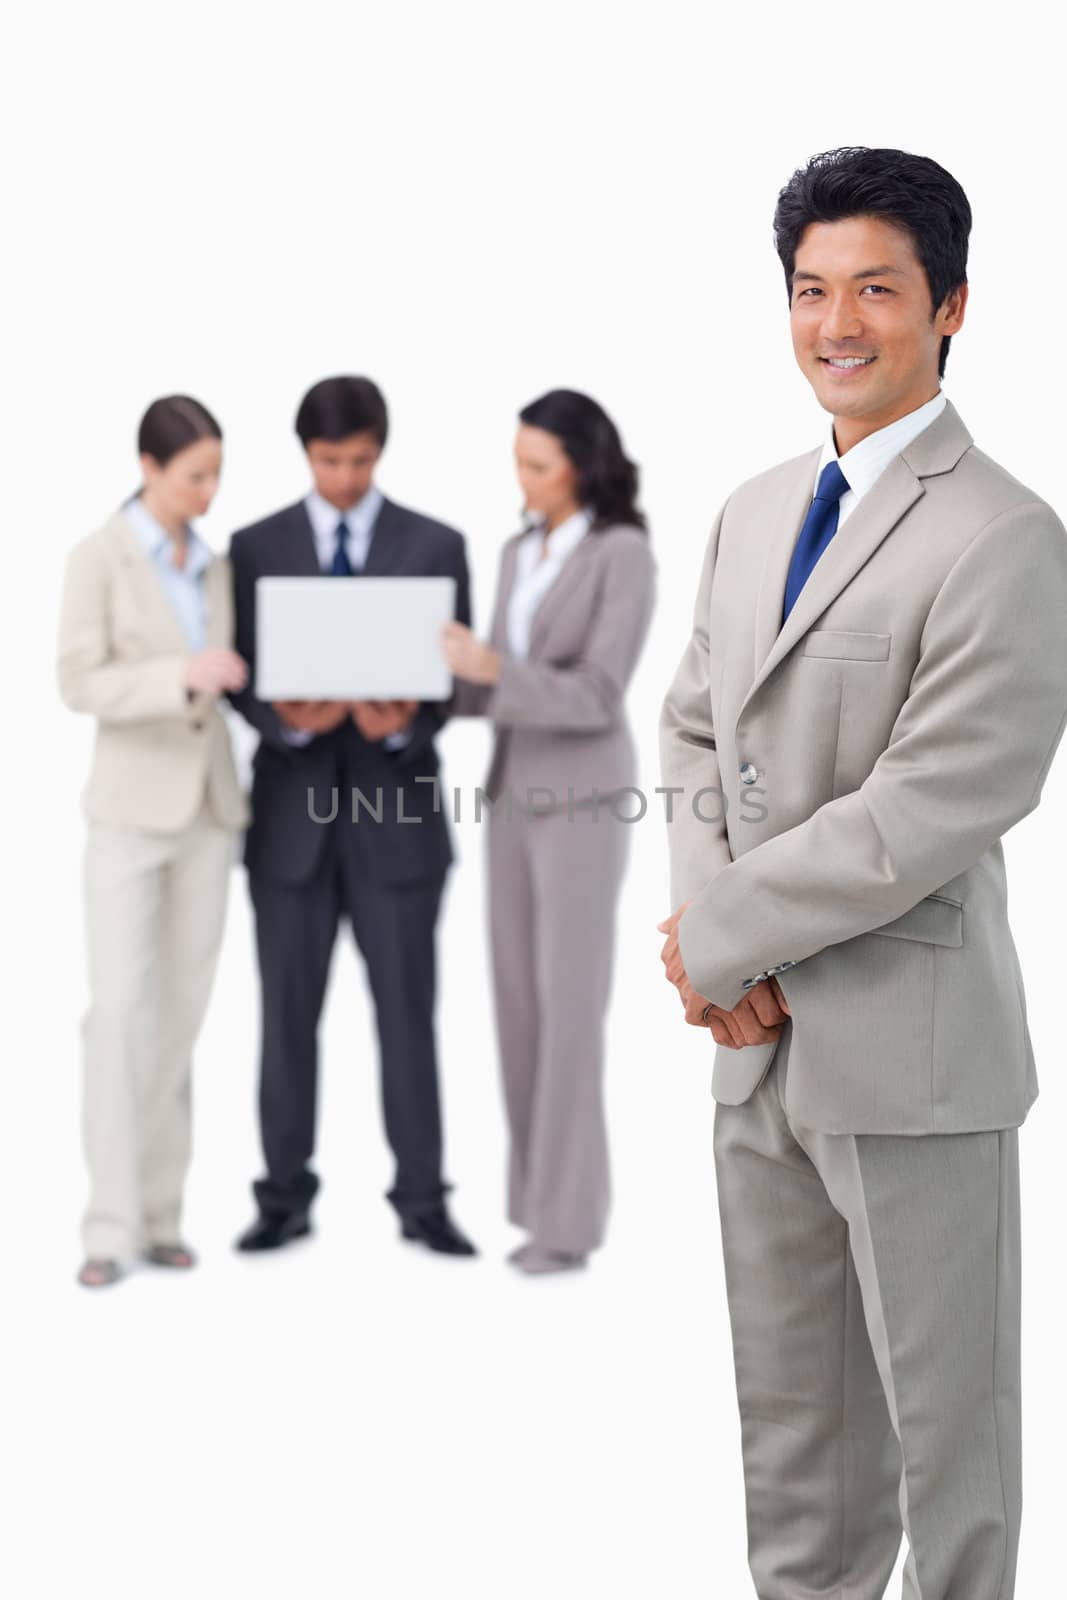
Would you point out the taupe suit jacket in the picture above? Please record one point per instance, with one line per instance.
(901, 722)
(558, 715)
(121, 658)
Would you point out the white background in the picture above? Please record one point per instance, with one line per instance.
(472, 203)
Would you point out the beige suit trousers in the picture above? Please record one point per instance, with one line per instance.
(873, 1284)
(155, 907)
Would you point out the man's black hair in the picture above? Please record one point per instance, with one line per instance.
(911, 192)
(337, 407)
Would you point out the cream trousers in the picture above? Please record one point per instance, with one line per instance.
(155, 906)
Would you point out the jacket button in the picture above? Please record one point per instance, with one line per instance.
(749, 774)
(198, 726)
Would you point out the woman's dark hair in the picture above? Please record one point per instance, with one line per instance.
(173, 423)
(607, 478)
(911, 192)
(337, 407)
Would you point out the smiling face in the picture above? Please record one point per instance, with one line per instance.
(865, 334)
(343, 469)
(186, 486)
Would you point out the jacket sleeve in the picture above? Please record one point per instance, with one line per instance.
(432, 715)
(586, 695)
(259, 713)
(470, 699)
(966, 760)
(474, 699)
(89, 679)
(697, 841)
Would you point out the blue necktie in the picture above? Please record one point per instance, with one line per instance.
(341, 566)
(820, 525)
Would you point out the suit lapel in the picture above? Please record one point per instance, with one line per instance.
(935, 450)
(301, 555)
(562, 585)
(151, 599)
(785, 515)
(498, 636)
(217, 614)
(387, 543)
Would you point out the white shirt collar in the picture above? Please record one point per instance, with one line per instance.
(564, 538)
(866, 461)
(359, 518)
(158, 544)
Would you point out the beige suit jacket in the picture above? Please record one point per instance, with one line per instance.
(900, 723)
(560, 728)
(122, 654)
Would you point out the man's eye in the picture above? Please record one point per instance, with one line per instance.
(879, 288)
(804, 292)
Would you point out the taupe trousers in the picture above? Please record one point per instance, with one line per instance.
(562, 747)
(873, 1284)
(155, 907)
(554, 883)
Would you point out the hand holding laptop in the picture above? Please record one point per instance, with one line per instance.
(375, 719)
(311, 716)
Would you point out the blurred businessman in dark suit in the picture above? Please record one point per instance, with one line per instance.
(387, 876)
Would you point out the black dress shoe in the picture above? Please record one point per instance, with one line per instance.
(270, 1233)
(437, 1231)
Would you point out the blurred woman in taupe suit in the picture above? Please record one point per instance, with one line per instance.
(574, 601)
(145, 647)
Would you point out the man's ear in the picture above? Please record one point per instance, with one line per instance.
(951, 312)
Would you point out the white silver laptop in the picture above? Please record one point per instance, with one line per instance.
(334, 638)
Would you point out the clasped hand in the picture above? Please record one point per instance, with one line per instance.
(375, 719)
(758, 1018)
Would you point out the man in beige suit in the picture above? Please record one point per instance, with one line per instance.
(872, 695)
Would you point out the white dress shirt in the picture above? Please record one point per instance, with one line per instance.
(181, 585)
(864, 464)
(360, 520)
(537, 568)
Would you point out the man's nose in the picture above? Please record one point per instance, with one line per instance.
(841, 319)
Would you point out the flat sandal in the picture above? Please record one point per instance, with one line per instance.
(98, 1273)
(170, 1255)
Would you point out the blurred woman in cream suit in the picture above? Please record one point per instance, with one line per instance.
(574, 601)
(144, 646)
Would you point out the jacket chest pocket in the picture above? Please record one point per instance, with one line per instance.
(835, 644)
(858, 682)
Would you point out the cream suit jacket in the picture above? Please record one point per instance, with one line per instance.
(559, 722)
(122, 654)
(870, 756)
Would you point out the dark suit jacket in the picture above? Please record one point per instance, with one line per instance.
(283, 842)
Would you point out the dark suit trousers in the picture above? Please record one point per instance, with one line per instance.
(296, 927)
